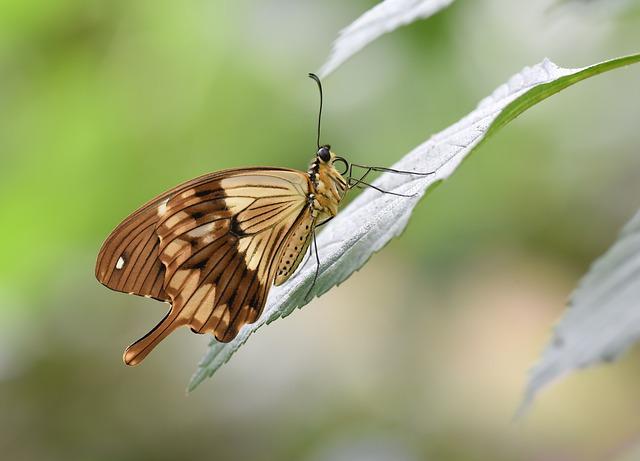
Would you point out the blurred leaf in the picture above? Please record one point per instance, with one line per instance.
(611, 5)
(596, 9)
(382, 18)
(372, 219)
(604, 315)
(631, 453)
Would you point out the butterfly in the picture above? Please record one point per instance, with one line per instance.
(212, 247)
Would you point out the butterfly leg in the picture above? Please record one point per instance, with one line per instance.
(357, 182)
(362, 178)
(390, 170)
(304, 263)
(308, 256)
(324, 222)
(353, 182)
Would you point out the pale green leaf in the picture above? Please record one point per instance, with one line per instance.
(372, 219)
(385, 17)
(603, 318)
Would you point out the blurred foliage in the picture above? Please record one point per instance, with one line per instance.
(106, 104)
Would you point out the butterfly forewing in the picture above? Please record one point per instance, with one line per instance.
(219, 243)
(128, 260)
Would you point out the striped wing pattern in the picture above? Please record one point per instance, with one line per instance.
(217, 244)
(128, 260)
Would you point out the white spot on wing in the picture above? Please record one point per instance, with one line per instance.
(202, 231)
(162, 209)
(120, 263)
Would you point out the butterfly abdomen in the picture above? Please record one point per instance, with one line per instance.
(295, 247)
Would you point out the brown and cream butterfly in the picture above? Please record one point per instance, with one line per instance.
(213, 246)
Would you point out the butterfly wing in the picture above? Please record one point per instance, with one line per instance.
(128, 260)
(295, 248)
(219, 243)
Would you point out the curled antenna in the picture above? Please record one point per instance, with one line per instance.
(315, 77)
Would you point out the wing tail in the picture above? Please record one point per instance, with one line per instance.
(136, 353)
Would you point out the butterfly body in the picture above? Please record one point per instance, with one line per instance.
(328, 187)
(212, 247)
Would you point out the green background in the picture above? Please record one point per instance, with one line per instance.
(423, 354)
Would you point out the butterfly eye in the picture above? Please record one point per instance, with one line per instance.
(324, 154)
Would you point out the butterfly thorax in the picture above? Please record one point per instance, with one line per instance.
(328, 188)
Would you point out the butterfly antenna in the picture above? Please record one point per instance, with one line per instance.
(315, 77)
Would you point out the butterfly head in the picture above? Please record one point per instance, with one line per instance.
(325, 161)
(324, 154)
(326, 157)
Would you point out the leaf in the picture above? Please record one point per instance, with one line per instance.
(372, 219)
(603, 318)
(385, 17)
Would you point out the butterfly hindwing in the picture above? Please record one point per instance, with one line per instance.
(220, 243)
